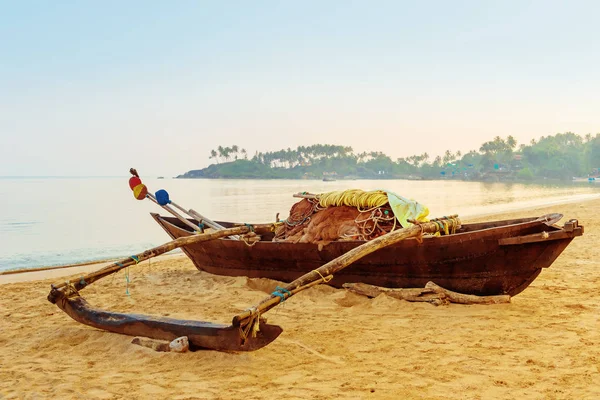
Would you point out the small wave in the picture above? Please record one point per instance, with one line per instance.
(24, 223)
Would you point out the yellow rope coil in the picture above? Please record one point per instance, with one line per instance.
(354, 198)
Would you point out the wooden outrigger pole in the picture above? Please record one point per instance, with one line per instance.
(248, 331)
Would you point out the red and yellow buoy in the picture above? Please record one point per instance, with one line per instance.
(139, 189)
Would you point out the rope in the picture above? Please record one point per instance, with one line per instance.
(275, 225)
(420, 236)
(353, 197)
(281, 292)
(324, 278)
(377, 217)
(70, 289)
(300, 218)
(445, 225)
(253, 326)
(247, 241)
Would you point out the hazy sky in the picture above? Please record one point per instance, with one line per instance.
(92, 88)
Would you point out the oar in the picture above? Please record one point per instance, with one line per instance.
(321, 274)
(156, 251)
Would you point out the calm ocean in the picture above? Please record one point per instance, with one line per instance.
(57, 221)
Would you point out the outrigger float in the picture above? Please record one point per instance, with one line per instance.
(492, 258)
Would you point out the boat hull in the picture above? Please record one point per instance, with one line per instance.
(485, 259)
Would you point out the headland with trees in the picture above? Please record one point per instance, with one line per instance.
(557, 157)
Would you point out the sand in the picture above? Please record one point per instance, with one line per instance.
(545, 344)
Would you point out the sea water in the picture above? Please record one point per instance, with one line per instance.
(58, 221)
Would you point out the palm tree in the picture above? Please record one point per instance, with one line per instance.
(447, 156)
(213, 154)
(245, 154)
(227, 153)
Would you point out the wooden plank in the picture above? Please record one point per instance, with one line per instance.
(540, 237)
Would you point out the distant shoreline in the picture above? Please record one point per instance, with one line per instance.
(395, 178)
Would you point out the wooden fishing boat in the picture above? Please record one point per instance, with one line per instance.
(489, 258)
(498, 257)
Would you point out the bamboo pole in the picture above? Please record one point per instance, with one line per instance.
(190, 213)
(305, 196)
(207, 221)
(170, 210)
(156, 251)
(201, 218)
(338, 264)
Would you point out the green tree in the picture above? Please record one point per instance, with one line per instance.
(213, 154)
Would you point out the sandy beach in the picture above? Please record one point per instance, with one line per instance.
(545, 344)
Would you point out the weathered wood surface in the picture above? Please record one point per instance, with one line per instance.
(541, 237)
(408, 294)
(200, 334)
(461, 298)
(431, 293)
(472, 261)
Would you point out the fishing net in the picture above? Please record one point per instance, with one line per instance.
(348, 215)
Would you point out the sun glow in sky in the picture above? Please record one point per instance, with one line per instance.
(92, 88)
